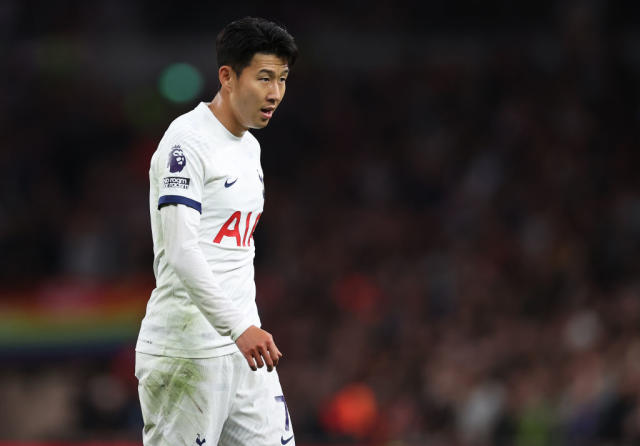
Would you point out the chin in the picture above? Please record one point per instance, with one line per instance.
(260, 125)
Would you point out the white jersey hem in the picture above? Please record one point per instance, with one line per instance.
(157, 350)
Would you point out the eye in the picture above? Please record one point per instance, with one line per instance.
(283, 79)
(264, 79)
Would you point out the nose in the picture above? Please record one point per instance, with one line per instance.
(275, 93)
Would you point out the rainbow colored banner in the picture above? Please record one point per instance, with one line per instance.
(72, 312)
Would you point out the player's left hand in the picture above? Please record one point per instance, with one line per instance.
(258, 348)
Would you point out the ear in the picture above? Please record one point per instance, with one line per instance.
(225, 76)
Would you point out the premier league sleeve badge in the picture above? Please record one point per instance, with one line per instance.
(177, 160)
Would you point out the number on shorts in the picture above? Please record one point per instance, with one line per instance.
(281, 399)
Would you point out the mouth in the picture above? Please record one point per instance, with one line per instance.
(267, 112)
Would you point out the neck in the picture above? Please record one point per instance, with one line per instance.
(221, 109)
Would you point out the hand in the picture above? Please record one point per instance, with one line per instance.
(256, 345)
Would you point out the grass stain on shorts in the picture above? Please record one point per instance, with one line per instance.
(175, 380)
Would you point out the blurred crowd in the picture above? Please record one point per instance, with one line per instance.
(449, 249)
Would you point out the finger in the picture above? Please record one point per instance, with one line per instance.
(273, 354)
(258, 357)
(273, 349)
(268, 359)
(278, 352)
(251, 362)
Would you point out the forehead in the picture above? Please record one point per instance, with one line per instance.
(263, 61)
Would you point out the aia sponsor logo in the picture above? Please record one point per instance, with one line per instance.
(233, 227)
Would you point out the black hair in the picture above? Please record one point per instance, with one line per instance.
(240, 40)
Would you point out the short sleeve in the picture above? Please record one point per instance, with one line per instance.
(181, 173)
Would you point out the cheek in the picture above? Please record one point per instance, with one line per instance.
(244, 101)
(252, 102)
(248, 102)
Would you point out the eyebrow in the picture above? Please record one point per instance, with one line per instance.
(271, 72)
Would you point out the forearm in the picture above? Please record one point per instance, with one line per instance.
(184, 256)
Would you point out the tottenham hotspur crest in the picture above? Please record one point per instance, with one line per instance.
(177, 160)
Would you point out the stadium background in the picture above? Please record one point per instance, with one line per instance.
(450, 248)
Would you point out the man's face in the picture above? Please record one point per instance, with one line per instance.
(258, 90)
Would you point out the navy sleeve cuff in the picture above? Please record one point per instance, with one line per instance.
(178, 199)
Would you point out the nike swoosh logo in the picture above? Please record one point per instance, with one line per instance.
(283, 441)
(228, 184)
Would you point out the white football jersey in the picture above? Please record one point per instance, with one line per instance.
(200, 164)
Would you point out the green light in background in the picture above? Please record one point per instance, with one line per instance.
(180, 82)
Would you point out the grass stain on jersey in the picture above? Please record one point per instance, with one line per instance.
(185, 321)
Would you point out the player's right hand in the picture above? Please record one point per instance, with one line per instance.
(258, 348)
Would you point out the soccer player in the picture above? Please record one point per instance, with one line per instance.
(201, 354)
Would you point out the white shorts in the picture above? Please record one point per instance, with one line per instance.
(211, 401)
